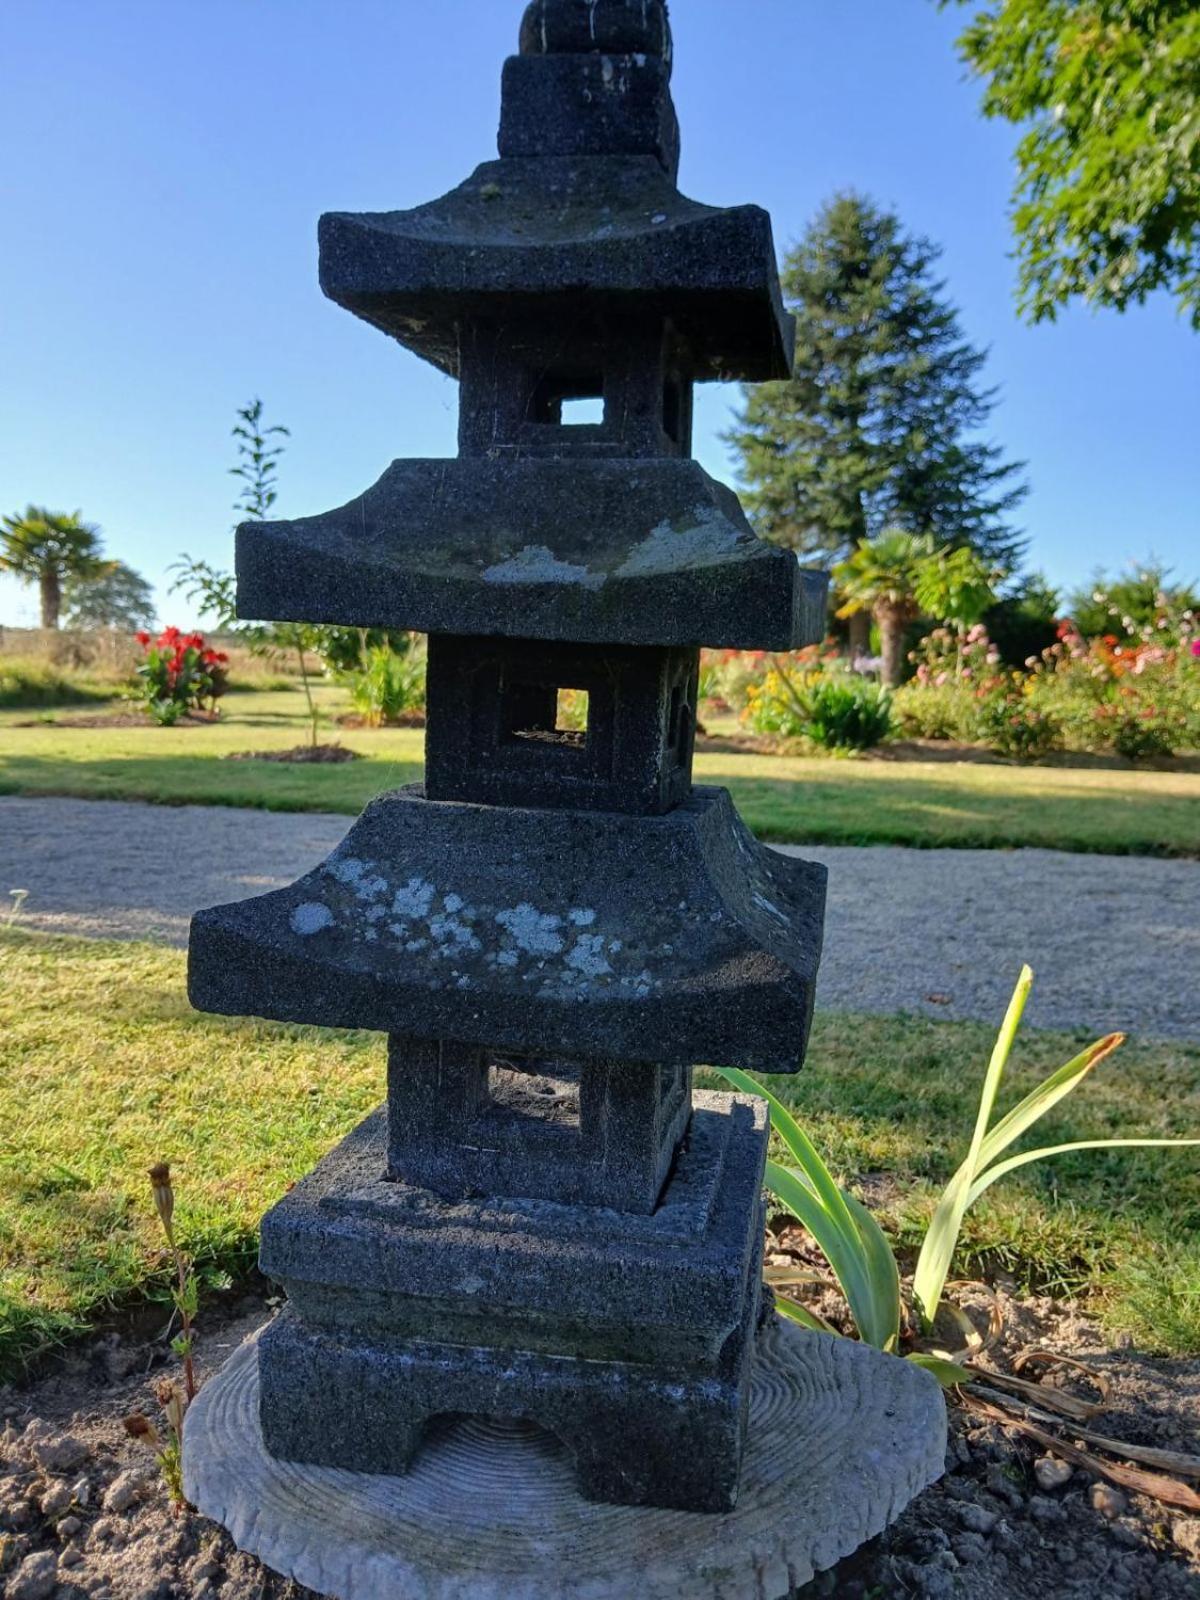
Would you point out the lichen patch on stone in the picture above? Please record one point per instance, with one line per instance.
(310, 918)
(535, 932)
(711, 540)
(536, 563)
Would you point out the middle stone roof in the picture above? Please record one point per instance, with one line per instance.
(646, 552)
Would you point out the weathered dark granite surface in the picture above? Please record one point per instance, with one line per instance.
(492, 734)
(540, 1227)
(614, 27)
(466, 1122)
(535, 229)
(592, 551)
(586, 935)
(629, 1337)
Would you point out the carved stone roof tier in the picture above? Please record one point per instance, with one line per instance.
(605, 552)
(567, 934)
(565, 229)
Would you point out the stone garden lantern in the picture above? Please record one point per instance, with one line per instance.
(545, 1225)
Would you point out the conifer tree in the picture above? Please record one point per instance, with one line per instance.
(882, 424)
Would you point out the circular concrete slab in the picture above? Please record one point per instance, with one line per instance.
(841, 1439)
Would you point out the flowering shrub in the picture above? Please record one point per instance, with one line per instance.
(1012, 725)
(955, 673)
(1138, 695)
(831, 710)
(388, 684)
(728, 676)
(1135, 692)
(178, 673)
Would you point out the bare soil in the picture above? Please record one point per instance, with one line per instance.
(83, 1510)
(122, 719)
(300, 755)
(939, 752)
(406, 719)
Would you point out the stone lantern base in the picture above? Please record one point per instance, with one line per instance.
(841, 1439)
(631, 1338)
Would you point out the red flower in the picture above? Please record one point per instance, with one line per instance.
(143, 639)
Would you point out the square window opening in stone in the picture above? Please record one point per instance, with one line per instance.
(586, 412)
(522, 1089)
(569, 400)
(557, 716)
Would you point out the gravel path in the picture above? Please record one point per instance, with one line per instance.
(1114, 940)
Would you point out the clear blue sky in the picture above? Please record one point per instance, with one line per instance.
(164, 162)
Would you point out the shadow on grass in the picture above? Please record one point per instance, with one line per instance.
(208, 780)
(835, 803)
(932, 814)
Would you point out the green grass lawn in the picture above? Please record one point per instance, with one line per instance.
(784, 798)
(105, 1070)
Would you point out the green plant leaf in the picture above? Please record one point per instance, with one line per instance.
(847, 1258)
(941, 1241)
(882, 1269)
(1003, 1168)
(806, 1318)
(848, 1235)
(947, 1373)
(1045, 1097)
(811, 1168)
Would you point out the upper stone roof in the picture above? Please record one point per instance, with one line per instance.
(582, 203)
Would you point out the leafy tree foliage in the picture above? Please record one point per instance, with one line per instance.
(46, 547)
(118, 598)
(881, 426)
(1130, 604)
(956, 586)
(1107, 199)
(214, 591)
(1024, 620)
(884, 577)
(258, 461)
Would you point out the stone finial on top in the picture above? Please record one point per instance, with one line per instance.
(607, 27)
(593, 79)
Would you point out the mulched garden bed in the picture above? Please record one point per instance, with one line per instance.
(302, 755)
(123, 719)
(406, 719)
(83, 1511)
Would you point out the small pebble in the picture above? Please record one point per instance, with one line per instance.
(81, 1492)
(1043, 1510)
(1051, 1473)
(36, 1578)
(71, 1557)
(123, 1491)
(59, 1454)
(57, 1499)
(1109, 1502)
(970, 1547)
(19, 1513)
(69, 1527)
(976, 1519)
(1186, 1536)
(1125, 1533)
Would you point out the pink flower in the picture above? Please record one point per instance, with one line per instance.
(1196, 648)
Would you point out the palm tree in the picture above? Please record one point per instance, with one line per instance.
(44, 547)
(882, 578)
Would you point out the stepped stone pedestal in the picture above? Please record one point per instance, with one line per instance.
(840, 1439)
